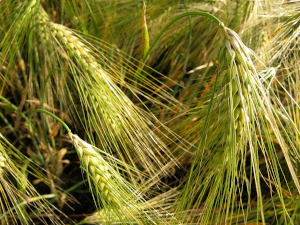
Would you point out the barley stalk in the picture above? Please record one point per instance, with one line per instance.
(15, 33)
(250, 100)
(44, 48)
(18, 192)
(119, 119)
(77, 49)
(238, 89)
(86, 60)
(110, 190)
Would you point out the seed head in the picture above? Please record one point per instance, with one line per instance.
(96, 167)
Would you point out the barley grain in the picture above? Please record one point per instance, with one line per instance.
(42, 17)
(28, 9)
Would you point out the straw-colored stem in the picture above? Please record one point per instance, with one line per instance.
(2, 162)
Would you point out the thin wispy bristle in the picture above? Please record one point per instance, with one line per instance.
(238, 103)
(186, 112)
(17, 192)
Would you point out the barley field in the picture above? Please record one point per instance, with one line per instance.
(149, 112)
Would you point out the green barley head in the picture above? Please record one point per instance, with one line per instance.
(114, 196)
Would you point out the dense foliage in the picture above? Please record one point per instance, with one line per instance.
(149, 112)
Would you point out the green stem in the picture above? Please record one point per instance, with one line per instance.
(24, 203)
(190, 42)
(50, 114)
(46, 121)
(93, 17)
(26, 118)
(215, 19)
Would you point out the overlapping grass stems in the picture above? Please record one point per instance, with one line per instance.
(242, 77)
(285, 36)
(18, 196)
(244, 168)
(2, 162)
(139, 130)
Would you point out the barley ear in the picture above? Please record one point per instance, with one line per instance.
(253, 110)
(117, 198)
(97, 169)
(116, 120)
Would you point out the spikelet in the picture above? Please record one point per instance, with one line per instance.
(42, 17)
(78, 51)
(44, 54)
(242, 77)
(29, 8)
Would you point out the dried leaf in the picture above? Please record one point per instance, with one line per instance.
(55, 130)
(60, 161)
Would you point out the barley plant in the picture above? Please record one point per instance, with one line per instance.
(149, 112)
